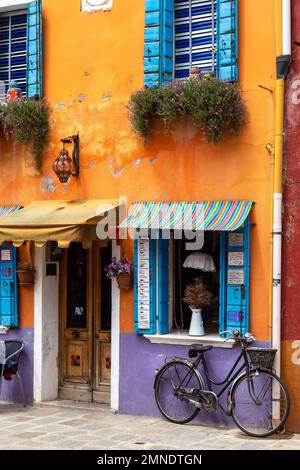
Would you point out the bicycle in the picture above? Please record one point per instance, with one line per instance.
(257, 399)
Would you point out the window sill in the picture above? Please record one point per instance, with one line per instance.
(183, 338)
(4, 330)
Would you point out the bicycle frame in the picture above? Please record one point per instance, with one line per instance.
(230, 378)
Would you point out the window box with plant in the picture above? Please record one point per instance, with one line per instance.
(25, 273)
(122, 271)
(216, 106)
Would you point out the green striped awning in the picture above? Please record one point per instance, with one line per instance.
(205, 215)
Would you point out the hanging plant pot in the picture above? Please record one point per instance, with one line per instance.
(25, 277)
(125, 281)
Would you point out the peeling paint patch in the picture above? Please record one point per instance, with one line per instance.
(138, 161)
(60, 105)
(47, 185)
(115, 171)
(81, 97)
(105, 97)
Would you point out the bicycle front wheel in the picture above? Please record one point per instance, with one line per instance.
(173, 379)
(260, 403)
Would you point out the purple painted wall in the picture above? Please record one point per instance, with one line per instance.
(139, 361)
(10, 389)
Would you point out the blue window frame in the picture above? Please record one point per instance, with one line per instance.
(180, 34)
(8, 286)
(21, 50)
(13, 50)
(234, 279)
(195, 36)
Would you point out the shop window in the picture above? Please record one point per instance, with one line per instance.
(181, 277)
(161, 278)
(8, 286)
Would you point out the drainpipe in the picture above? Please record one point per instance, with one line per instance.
(283, 57)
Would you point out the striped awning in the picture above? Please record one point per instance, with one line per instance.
(205, 215)
(6, 210)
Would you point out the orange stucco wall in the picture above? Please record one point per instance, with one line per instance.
(92, 63)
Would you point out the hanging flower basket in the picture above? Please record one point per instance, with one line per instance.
(125, 281)
(122, 271)
(25, 274)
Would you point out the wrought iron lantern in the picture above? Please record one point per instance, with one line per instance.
(64, 165)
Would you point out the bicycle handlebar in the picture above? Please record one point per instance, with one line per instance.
(236, 334)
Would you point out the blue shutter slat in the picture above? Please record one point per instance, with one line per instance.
(152, 288)
(227, 40)
(9, 289)
(234, 298)
(163, 286)
(158, 49)
(34, 49)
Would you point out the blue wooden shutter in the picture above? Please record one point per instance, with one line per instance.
(163, 286)
(158, 51)
(227, 40)
(195, 36)
(151, 287)
(234, 292)
(34, 49)
(8, 286)
(13, 46)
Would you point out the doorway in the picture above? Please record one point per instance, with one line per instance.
(85, 324)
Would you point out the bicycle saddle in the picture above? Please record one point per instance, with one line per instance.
(200, 348)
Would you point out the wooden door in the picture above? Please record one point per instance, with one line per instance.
(102, 325)
(76, 352)
(85, 324)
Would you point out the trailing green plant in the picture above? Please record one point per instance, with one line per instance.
(216, 106)
(28, 123)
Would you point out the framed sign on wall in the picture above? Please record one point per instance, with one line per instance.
(96, 5)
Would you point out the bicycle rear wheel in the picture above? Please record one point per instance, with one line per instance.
(171, 378)
(260, 403)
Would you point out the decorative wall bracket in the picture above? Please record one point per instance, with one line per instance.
(75, 154)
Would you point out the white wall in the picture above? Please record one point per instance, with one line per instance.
(46, 330)
(9, 5)
(115, 336)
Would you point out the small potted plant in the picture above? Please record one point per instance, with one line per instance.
(25, 273)
(197, 296)
(122, 271)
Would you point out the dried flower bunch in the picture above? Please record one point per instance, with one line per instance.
(118, 266)
(196, 295)
(216, 106)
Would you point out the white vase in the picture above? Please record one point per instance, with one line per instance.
(196, 326)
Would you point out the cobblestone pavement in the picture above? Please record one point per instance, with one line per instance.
(59, 426)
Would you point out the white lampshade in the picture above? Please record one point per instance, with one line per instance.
(201, 261)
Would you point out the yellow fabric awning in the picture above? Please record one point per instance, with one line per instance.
(61, 221)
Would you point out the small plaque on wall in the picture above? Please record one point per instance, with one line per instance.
(5, 255)
(236, 239)
(236, 258)
(96, 5)
(236, 277)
